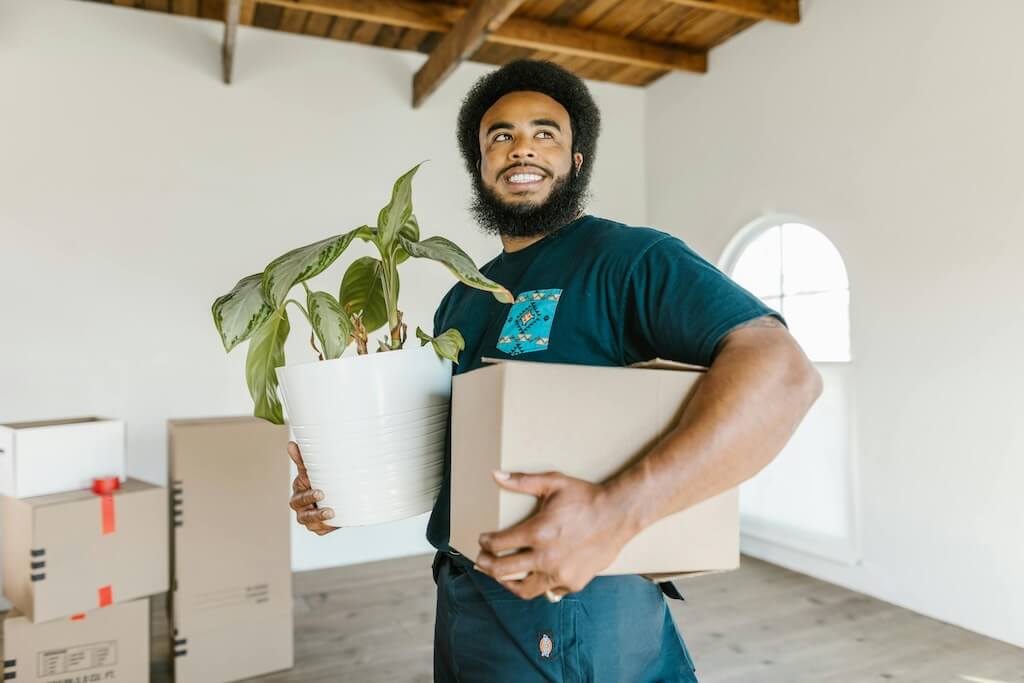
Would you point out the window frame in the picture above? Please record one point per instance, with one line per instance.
(754, 229)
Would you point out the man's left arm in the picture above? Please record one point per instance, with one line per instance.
(756, 391)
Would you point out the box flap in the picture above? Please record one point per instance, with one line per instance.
(652, 364)
(54, 423)
(662, 364)
(129, 486)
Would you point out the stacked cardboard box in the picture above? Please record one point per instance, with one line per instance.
(82, 552)
(231, 602)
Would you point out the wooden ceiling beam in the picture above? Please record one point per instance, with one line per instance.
(576, 42)
(423, 16)
(526, 33)
(247, 13)
(482, 19)
(786, 11)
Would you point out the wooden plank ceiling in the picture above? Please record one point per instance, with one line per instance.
(631, 42)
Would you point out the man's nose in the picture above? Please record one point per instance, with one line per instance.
(522, 150)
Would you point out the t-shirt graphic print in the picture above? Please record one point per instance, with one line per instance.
(528, 325)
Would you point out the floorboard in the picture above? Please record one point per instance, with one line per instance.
(374, 623)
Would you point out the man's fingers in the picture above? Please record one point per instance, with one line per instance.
(509, 567)
(534, 585)
(519, 536)
(305, 498)
(538, 484)
(296, 456)
(315, 516)
(300, 483)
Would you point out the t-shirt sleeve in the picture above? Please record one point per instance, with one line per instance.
(678, 306)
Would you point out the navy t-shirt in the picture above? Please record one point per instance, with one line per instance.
(595, 292)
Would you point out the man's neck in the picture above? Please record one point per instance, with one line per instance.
(513, 244)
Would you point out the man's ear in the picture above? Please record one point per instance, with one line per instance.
(578, 161)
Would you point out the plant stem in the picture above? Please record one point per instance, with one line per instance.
(312, 342)
(391, 297)
(293, 301)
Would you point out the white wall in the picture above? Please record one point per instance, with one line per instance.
(135, 188)
(894, 127)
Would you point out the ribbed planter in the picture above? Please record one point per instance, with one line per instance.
(371, 430)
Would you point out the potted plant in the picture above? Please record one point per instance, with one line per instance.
(371, 427)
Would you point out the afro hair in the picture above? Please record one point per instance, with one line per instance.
(535, 76)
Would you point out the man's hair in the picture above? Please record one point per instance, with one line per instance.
(535, 76)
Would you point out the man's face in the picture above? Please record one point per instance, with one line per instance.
(525, 146)
(527, 183)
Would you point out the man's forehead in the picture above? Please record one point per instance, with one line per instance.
(522, 106)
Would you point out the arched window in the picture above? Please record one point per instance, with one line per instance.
(797, 271)
(805, 499)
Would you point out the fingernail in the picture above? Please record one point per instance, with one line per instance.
(318, 495)
(484, 538)
(498, 474)
(327, 514)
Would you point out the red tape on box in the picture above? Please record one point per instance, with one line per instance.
(105, 488)
(78, 617)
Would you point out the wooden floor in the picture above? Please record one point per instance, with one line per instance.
(762, 624)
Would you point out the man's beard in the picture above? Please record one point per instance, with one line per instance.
(528, 219)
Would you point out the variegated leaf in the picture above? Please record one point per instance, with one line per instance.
(393, 217)
(266, 354)
(362, 291)
(410, 231)
(300, 264)
(330, 324)
(458, 262)
(238, 313)
(448, 344)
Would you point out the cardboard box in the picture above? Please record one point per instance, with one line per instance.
(587, 422)
(232, 595)
(52, 456)
(73, 552)
(109, 644)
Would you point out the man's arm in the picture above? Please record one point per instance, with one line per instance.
(757, 390)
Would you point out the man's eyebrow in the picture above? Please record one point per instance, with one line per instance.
(547, 122)
(498, 124)
(536, 122)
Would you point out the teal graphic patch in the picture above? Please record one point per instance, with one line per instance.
(528, 325)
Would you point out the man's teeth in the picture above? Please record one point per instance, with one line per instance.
(525, 178)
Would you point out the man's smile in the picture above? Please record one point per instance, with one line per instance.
(524, 178)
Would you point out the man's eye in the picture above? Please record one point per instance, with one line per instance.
(544, 132)
(497, 138)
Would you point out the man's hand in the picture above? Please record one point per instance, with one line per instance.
(577, 531)
(305, 497)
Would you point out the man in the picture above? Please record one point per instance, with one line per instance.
(529, 606)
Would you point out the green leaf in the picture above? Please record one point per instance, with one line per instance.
(458, 262)
(362, 291)
(330, 323)
(393, 217)
(446, 345)
(300, 264)
(411, 231)
(238, 313)
(266, 354)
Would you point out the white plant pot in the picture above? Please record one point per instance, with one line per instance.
(371, 430)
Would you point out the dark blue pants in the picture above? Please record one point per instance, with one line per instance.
(618, 628)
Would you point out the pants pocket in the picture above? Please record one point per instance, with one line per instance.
(515, 640)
